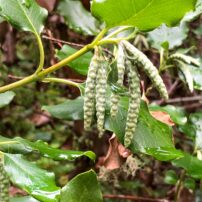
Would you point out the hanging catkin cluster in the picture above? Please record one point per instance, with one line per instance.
(121, 70)
(151, 71)
(134, 103)
(186, 59)
(4, 183)
(95, 92)
(128, 60)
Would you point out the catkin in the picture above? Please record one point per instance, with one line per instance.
(101, 88)
(89, 98)
(185, 59)
(4, 183)
(148, 67)
(121, 71)
(134, 103)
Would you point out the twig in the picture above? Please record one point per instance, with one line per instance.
(73, 80)
(179, 186)
(72, 44)
(134, 198)
(183, 99)
(170, 91)
(63, 42)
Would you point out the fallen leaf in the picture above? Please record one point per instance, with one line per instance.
(40, 119)
(116, 155)
(163, 117)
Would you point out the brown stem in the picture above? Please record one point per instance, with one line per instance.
(134, 198)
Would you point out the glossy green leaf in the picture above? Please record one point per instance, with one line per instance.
(69, 110)
(26, 15)
(191, 164)
(84, 188)
(23, 199)
(35, 181)
(80, 64)
(151, 137)
(174, 36)
(77, 17)
(194, 14)
(6, 98)
(145, 14)
(22, 146)
(177, 114)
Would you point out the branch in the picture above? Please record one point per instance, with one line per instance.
(183, 99)
(40, 75)
(134, 198)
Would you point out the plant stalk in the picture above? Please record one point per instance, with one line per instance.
(42, 73)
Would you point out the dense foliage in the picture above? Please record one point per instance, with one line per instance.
(100, 101)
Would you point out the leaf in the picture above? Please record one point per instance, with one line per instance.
(186, 74)
(171, 177)
(163, 117)
(145, 15)
(77, 17)
(26, 15)
(190, 183)
(80, 64)
(6, 98)
(196, 121)
(71, 110)
(84, 187)
(174, 36)
(191, 164)
(197, 76)
(194, 14)
(115, 156)
(21, 146)
(35, 181)
(177, 114)
(151, 137)
(23, 199)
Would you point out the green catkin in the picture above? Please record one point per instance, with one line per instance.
(148, 67)
(4, 183)
(185, 59)
(89, 98)
(134, 103)
(101, 89)
(121, 71)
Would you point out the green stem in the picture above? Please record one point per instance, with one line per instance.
(8, 142)
(179, 186)
(53, 68)
(41, 52)
(57, 80)
(116, 40)
(121, 29)
(17, 84)
(161, 60)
